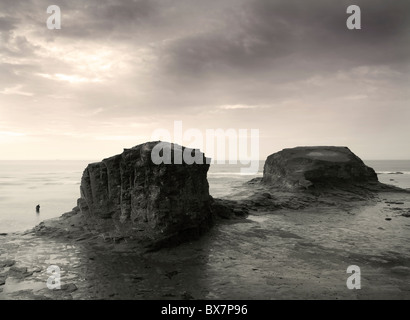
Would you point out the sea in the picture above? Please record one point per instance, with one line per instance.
(55, 186)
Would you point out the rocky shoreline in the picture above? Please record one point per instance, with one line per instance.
(281, 254)
(264, 242)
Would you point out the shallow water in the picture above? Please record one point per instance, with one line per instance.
(24, 184)
(387, 171)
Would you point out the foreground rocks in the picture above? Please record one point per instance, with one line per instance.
(129, 197)
(130, 194)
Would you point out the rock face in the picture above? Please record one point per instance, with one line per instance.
(304, 167)
(132, 192)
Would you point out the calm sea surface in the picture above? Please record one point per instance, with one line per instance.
(55, 186)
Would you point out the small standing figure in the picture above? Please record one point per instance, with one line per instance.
(38, 208)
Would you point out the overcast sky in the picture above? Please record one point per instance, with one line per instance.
(118, 70)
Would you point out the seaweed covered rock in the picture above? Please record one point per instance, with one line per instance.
(305, 167)
(137, 196)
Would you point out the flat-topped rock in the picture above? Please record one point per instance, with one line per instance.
(136, 196)
(304, 167)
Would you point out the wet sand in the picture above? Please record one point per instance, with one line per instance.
(281, 254)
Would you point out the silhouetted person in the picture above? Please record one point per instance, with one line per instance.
(38, 208)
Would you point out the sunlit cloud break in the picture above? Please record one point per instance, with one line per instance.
(69, 78)
(237, 106)
(16, 90)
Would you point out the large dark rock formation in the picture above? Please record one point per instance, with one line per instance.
(136, 196)
(305, 167)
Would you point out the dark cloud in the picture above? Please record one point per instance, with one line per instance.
(7, 23)
(257, 35)
(16, 7)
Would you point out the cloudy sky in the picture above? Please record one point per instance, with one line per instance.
(118, 70)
